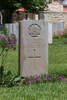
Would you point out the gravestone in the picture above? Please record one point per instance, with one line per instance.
(6, 26)
(54, 27)
(9, 28)
(58, 27)
(49, 33)
(33, 48)
(13, 29)
(16, 30)
(36, 17)
(1, 27)
(41, 16)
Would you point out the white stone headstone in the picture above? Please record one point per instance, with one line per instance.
(16, 30)
(33, 48)
(60, 26)
(49, 33)
(13, 29)
(54, 27)
(6, 26)
(1, 27)
(36, 17)
(41, 16)
(10, 29)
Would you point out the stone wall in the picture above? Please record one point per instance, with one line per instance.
(54, 16)
(55, 6)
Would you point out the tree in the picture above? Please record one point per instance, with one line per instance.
(7, 8)
(34, 5)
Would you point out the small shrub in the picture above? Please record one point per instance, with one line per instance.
(4, 31)
(6, 43)
(63, 36)
(31, 80)
(55, 35)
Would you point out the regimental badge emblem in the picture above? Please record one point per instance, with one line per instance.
(34, 30)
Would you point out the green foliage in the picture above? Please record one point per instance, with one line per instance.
(7, 7)
(9, 4)
(4, 76)
(31, 5)
(34, 5)
(1, 72)
(56, 35)
(6, 43)
(17, 79)
(4, 31)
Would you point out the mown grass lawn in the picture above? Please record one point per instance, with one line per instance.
(43, 91)
(57, 59)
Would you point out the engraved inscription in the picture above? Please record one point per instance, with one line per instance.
(34, 53)
(34, 57)
(34, 30)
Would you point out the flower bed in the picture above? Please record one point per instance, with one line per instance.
(63, 36)
(32, 80)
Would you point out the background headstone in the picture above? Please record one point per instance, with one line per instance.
(49, 32)
(36, 17)
(58, 27)
(13, 29)
(54, 27)
(41, 16)
(33, 48)
(1, 27)
(16, 30)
